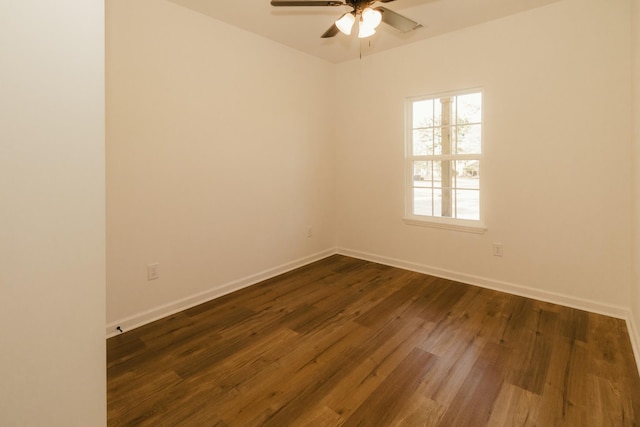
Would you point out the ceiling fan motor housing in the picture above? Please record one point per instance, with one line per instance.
(359, 5)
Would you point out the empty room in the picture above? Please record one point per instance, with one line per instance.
(320, 213)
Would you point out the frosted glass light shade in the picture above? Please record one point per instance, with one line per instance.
(371, 17)
(345, 23)
(365, 30)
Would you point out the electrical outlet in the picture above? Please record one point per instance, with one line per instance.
(153, 272)
(497, 249)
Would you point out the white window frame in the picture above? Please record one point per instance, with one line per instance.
(466, 225)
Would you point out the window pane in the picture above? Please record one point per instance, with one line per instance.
(423, 114)
(437, 141)
(421, 174)
(468, 204)
(446, 127)
(444, 173)
(436, 173)
(422, 142)
(437, 202)
(469, 108)
(468, 139)
(468, 174)
(422, 201)
(437, 113)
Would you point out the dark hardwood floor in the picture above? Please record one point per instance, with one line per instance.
(345, 342)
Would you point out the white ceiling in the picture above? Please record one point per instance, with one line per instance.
(301, 27)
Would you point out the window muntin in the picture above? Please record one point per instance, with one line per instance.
(444, 149)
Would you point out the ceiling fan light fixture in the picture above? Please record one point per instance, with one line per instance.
(345, 23)
(368, 17)
(371, 17)
(365, 32)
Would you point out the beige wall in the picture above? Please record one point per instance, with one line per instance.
(564, 227)
(52, 286)
(219, 156)
(635, 54)
(557, 171)
(221, 153)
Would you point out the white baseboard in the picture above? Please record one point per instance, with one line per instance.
(149, 316)
(634, 336)
(514, 289)
(157, 313)
(497, 285)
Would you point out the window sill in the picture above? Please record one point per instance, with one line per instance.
(460, 225)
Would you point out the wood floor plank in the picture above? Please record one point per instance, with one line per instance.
(574, 323)
(266, 394)
(533, 354)
(393, 304)
(227, 381)
(321, 416)
(475, 399)
(357, 384)
(123, 410)
(349, 342)
(515, 407)
(420, 411)
(440, 305)
(387, 400)
(450, 373)
(363, 346)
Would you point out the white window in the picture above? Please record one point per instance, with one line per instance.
(443, 160)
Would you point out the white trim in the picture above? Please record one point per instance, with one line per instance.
(157, 313)
(514, 289)
(436, 157)
(497, 285)
(634, 336)
(409, 159)
(450, 93)
(458, 225)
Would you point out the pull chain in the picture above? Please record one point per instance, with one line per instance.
(360, 46)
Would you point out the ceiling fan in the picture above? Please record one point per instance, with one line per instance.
(368, 17)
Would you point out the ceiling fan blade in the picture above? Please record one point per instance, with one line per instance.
(331, 32)
(397, 21)
(385, 1)
(306, 3)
